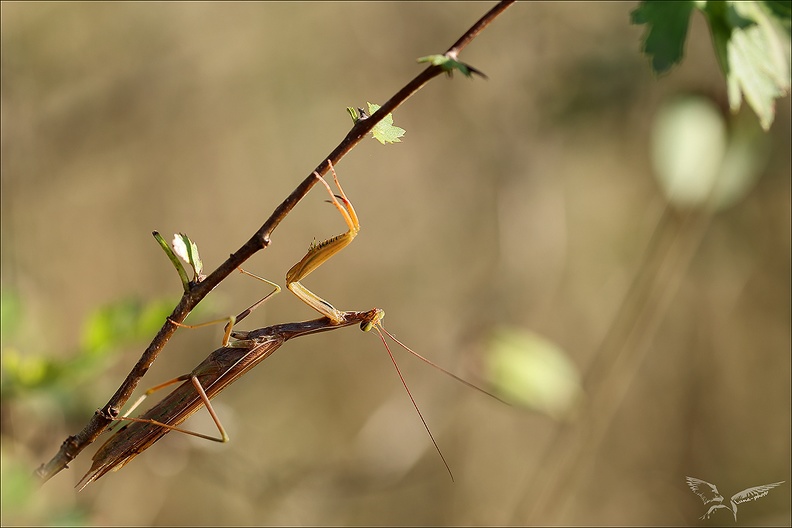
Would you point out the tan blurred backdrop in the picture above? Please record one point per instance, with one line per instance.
(526, 200)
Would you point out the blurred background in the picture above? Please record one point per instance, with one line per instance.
(527, 234)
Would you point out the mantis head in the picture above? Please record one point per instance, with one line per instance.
(373, 321)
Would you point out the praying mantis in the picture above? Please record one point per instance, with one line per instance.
(248, 348)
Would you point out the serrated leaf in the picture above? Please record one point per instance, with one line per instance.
(667, 26)
(751, 40)
(385, 131)
(758, 60)
(449, 64)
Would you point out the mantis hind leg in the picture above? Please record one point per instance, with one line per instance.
(204, 398)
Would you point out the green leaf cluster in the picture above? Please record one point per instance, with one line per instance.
(385, 131)
(751, 40)
(107, 329)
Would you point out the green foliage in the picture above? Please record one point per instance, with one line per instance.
(34, 383)
(449, 63)
(107, 329)
(751, 39)
(55, 390)
(122, 322)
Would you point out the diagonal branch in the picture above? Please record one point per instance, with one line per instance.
(102, 418)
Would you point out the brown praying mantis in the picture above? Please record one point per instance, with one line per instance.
(228, 363)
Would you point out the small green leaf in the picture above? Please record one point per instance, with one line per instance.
(385, 131)
(667, 26)
(356, 114)
(174, 260)
(449, 63)
(188, 252)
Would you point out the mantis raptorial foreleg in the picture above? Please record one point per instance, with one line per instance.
(232, 320)
(319, 253)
